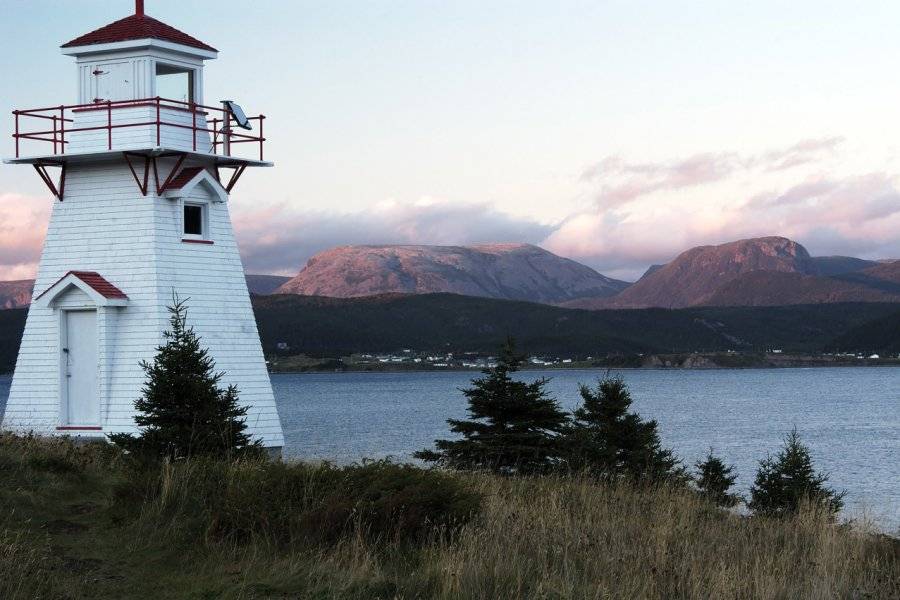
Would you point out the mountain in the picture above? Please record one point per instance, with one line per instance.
(696, 274)
(504, 271)
(770, 271)
(838, 265)
(15, 294)
(772, 288)
(263, 285)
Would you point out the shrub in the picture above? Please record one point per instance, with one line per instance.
(182, 411)
(608, 441)
(291, 503)
(514, 426)
(714, 479)
(786, 482)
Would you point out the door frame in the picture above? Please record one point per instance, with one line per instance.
(63, 366)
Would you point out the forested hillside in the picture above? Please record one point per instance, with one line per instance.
(450, 323)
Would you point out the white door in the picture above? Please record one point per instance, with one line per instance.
(114, 81)
(80, 359)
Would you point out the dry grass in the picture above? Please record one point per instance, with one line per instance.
(533, 538)
(563, 538)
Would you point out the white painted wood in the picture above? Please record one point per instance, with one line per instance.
(105, 225)
(140, 132)
(135, 242)
(115, 81)
(80, 367)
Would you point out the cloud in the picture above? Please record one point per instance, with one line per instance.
(23, 225)
(279, 240)
(858, 215)
(621, 182)
(801, 153)
(644, 213)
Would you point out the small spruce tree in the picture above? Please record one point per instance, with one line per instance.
(513, 428)
(787, 480)
(182, 410)
(714, 480)
(608, 441)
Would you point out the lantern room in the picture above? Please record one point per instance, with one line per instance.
(140, 91)
(139, 57)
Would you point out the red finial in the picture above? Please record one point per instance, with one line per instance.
(139, 7)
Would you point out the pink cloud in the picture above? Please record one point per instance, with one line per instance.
(23, 225)
(621, 182)
(279, 240)
(855, 215)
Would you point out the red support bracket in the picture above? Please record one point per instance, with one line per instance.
(235, 175)
(146, 182)
(160, 189)
(57, 189)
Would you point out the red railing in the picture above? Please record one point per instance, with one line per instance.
(62, 116)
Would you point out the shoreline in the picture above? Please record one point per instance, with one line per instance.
(656, 362)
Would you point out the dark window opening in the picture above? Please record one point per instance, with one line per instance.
(174, 83)
(193, 220)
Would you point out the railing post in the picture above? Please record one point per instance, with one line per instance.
(62, 128)
(194, 123)
(261, 136)
(54, 134)
(158, 139)
(16, 136)
(109, 124)
(226, 130)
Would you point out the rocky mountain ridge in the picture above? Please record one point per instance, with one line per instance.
(502, 271)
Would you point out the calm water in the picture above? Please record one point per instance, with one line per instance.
(849, 417)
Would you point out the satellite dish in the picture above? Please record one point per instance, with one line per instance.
(238, 113)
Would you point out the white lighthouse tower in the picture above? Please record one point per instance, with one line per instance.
(140, 168)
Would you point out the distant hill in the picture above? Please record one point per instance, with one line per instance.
(503, 271)
(768, 288)
(452, 323)
(15, 294)
(772, 271)
(333, 326)
(880, 336)
(263, 285)
(12, 324)
(827, 266)
(697, 274)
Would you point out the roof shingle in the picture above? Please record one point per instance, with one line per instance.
(137, 27)
(93, 279)
(184, 178)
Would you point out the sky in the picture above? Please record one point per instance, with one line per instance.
(615, 133)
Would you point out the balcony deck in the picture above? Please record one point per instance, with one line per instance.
(149, 126)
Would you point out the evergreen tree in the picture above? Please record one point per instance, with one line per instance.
(182, 411)
(608, 441)
(513, 427)
(714, 479)
(784, 482)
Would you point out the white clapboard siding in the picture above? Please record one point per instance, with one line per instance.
(104, 224)
(134, 127)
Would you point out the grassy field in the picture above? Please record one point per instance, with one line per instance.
(85, 523)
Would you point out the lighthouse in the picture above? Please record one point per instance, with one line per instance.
(140, 168)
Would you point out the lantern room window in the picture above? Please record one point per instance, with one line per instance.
(175, 83)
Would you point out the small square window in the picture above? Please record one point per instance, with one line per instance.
(193, 219)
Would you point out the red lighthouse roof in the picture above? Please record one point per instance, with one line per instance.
(137, 27)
